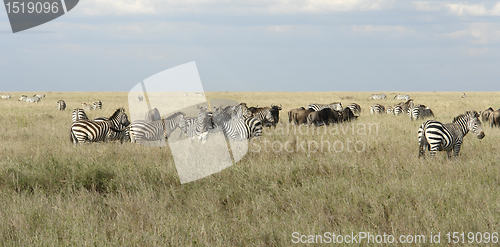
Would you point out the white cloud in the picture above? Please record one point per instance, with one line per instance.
(459, 9)
(130, 7)
(480, 33)
(381, 28)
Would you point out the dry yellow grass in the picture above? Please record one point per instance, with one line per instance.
(52, 193)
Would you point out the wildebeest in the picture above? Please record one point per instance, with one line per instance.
(485, 115)
(323, 117)
(254, 109)
(495, 118)
(292, 112)
(152, 115)
(300, 116)
(347, 115)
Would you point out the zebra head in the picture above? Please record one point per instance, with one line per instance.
(120, 118)
(472, 122)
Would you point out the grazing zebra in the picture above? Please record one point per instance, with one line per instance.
(336, 106)
(464, 96)
(378, 96)
(198, 127)
(435, 136)
(355, 108)
(97, 105)
(235, 126)
(97, 131)
(377, 108)
(61, 105)
(86, 106)
(158, 130)
(6, 96)
(402, 97)
(39, 95)
(78, 114)
(23, 98)
(389, 110)
(33, 99)
(397, 109)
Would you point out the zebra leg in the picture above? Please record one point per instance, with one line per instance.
(456, 149)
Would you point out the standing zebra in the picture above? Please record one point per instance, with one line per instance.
(78, 114)
(397, 109)
(6, 96)
(86, 106)
(198, 127)
(268, 116)
(97, 131)
(389, 110)
(377, 108)
(97, 105)
(235, 126)
(141, 131)
(61, 105)
(336, 106)
(435, 136)
(402, 97)
(419, 112)
(355, 108)
(464, 96)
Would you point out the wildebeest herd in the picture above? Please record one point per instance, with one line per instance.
(239, 122)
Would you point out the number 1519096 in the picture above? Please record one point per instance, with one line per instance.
(32, 7)
(472, 237)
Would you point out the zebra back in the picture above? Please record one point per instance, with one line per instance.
(61, 105)
(78, 114)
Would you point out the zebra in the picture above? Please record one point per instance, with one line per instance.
(402, 97)
(39, 96)
(355, 108)
(99, 131)
(435, 136)
(268, 116)
(464, 96)
(378, 96)
(6, 96)
(86, 106)
(33, 99)
(336, 106)
(419, 111)
(377, 108)
(97, 105)
(198, 127)
(141, 131)
(389, 110)
(23, 98)
(235, 126)
(61, 105)
(397, 109)
(78, 114)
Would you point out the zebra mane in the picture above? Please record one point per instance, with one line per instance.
(117, 113)
(175, 115)
(467, 114)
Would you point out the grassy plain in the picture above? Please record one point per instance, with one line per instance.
(53, 193)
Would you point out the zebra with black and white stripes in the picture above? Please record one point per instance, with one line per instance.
(355, 108)
(197, 128)
(389, 110)
(235, 126)
(377, 108)
(97, 105)
(336, 106)
(99, 131)
(78, 114)
(268, 116)
(435, 136)
(398, 109)
(158, 130)
(61, 105)
(378, 96)
(419, 112)
(402, 97)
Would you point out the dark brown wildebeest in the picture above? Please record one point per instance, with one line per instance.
(152, 115)
(292, 112)
(495, 118)
(300, 116)
(485, 115)
(347, 115)
(323, 117)
(275, 112)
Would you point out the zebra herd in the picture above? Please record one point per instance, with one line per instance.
(414, 111)
(323, 114)
(33, 99)
(235, 122)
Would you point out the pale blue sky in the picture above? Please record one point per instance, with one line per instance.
(267, 45)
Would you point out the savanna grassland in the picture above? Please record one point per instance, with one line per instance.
(112, 194)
